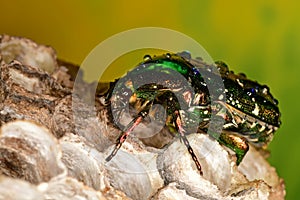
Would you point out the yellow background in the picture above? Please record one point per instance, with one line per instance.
(259, 38)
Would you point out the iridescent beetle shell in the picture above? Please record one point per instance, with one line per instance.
(180, 84)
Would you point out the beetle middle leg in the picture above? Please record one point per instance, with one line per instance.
(181, 131)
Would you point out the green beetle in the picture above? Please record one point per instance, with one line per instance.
(196, 97)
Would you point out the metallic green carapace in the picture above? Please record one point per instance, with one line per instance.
(191, 92)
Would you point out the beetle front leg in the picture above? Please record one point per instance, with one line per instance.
(129, 128)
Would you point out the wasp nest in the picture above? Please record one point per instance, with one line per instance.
(46, 154)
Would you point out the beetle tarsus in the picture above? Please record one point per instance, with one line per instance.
(181, 132)
(121, 139)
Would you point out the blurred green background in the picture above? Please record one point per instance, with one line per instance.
(259, 38)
